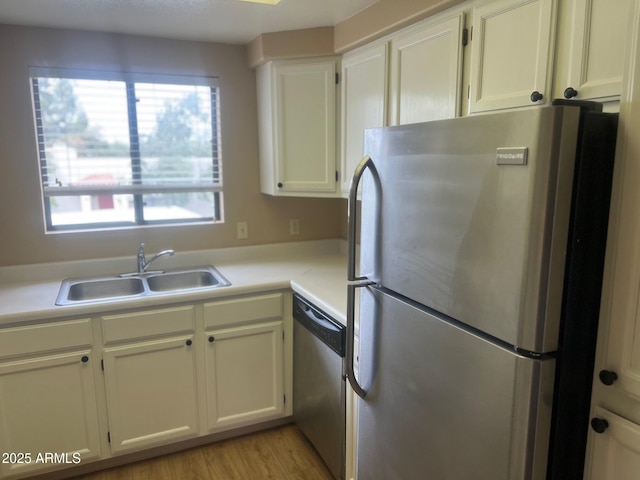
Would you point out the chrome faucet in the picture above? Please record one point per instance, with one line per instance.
(143, 264)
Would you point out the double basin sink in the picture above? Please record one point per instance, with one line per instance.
(117, 287)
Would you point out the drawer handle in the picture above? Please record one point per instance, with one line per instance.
(189, 342)
(212, 339)
(607, 377)
(599, 425)
(84, 359)
(536, 96)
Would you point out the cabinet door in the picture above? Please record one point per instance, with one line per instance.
(244, 372)
(304, 144)
(151, 393)
(615, 453)
(592, 44)
(364, 99)
(512, 53)
(47, 406)
(426, 72)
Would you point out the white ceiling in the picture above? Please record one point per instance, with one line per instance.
(228, 21)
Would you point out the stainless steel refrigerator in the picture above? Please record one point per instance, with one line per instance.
(481, 255)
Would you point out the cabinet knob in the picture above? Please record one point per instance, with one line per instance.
(189, 342)
(280, 185)
(607, 377)
(536, 96)
(212, 339)
(599, 425)
(570, 92)
(84, 359)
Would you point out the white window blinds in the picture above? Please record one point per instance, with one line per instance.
(151, 138)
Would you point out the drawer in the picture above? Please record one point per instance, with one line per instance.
(242, 310)
(148, 323)
(46, 337)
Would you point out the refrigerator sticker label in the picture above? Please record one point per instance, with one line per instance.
(511, 156)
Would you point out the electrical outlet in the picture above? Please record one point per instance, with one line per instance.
(242, 230)
(294, 226)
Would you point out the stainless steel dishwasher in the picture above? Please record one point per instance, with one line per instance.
(319, 383)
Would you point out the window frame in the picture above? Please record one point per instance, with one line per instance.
(49, 189)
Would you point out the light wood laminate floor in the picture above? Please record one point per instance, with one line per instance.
(281, 453)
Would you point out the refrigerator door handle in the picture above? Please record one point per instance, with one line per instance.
(365, 163)
(349, 354)
(354, 281)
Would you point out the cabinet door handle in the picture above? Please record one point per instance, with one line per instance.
(212, 339)
(570, 92)
(84, 359)
(607, 377)
(599, 425)
(280, 185)
(536, 96)
(189, 342)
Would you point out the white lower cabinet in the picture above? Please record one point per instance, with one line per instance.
(245, 375)
(614, 452)
(150, 377)
(151, 393)
(245, 366)
(48, 413)
(74, 391)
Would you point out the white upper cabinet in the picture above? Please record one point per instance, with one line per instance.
(297, 129)
(512, 54)
(592, 41)
(364, 103)
(414, 75)
(426, 71)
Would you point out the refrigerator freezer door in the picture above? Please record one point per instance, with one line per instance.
(443, 403)
(474, 218)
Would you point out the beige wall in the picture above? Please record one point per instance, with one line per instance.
(22, 237)
(375, 21)
(310, 42)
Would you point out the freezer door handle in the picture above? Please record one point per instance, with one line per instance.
(353, 280)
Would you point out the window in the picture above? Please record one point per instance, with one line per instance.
(120, 149)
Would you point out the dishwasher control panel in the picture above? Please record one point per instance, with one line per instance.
(331, 332)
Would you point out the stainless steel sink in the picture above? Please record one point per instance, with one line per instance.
(117, 287)
(104, 288)
(170, 281)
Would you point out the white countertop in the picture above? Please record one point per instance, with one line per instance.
(317, 270)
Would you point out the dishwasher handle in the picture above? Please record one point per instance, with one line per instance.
(325, 328)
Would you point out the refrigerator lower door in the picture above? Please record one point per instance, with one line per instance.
(444, 403)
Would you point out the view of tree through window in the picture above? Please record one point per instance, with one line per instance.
(119, 153)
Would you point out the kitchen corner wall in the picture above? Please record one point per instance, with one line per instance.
(22, 237)
(375, 21)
